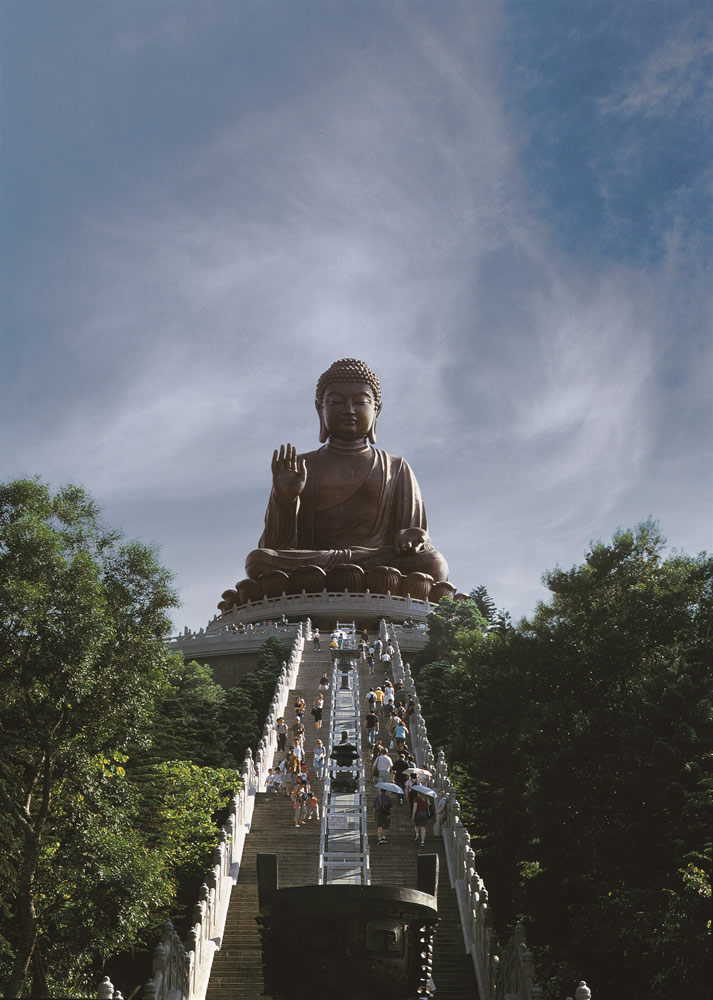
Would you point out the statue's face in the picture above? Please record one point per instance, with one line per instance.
(348, 410)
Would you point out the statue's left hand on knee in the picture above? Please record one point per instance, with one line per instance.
(412, 540)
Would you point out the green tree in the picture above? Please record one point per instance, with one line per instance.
(448, 624)
(584, 747)
(83, 623)
(188, 720)
(187, 797)
(247, 703)
(484, 603)
(100, 883)
(617, 750)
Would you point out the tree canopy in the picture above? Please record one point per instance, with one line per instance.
(102, 814)
(583, 748)
(83, 619)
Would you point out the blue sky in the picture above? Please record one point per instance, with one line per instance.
(503, 208)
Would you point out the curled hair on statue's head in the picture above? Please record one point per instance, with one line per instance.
(347, 370)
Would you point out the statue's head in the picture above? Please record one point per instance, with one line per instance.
(348, 385)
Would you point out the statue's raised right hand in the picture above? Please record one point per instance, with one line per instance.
(289, 474)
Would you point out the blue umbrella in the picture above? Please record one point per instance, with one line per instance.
(388, 786)
(424, 790)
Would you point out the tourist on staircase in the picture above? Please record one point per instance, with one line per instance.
(298, 730)
(319, 759)
(316, 710)
(408, 788)
(281, 779)
(441, 813)
(371, 725)
(300, 805)
(420, 816)
(382, 813)
(379, 700)
(400, 734)
(312, 806)
(382, 767)
(401, 764)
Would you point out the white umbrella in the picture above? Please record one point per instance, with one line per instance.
(388, 786)
(420, 771)
(424, 790)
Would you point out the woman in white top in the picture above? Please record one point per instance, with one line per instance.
(319, 757)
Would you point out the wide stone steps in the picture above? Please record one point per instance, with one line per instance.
(237, 966)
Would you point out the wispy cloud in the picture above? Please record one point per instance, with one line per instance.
(673, 74)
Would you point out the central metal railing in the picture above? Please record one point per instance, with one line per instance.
(343, 844)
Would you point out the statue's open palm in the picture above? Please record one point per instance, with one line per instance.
(289, 474)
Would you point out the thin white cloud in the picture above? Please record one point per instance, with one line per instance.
(673, 73)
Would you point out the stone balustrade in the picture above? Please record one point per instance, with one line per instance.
(340, 605)
(285, 683)
(225, 641)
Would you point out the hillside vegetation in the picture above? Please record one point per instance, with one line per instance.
(116, 760)
(581, 742)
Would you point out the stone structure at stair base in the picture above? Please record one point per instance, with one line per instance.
(352, 942)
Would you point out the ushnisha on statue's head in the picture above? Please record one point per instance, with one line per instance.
(348, 401)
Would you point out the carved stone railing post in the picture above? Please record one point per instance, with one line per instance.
(105, 990)
(149, 991)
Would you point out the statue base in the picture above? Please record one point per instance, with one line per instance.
(342, 578)
(324, 610)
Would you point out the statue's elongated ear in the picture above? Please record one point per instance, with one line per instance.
(323, 433)
(372, 430)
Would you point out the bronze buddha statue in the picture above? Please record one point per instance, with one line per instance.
(347, 504)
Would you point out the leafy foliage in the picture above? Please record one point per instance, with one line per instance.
(484, 603)
(247, 703)
(187, 717)
(584, 742)
(113, 758)
(448, 624)
(83, 619)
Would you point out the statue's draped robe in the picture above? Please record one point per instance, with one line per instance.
(352, 519)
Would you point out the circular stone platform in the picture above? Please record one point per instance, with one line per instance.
(327, 607)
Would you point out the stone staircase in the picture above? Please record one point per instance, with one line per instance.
(237, 967)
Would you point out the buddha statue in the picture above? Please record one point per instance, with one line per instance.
(347, 503)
